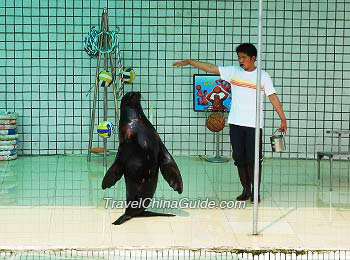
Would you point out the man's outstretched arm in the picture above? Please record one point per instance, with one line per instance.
(211, 68)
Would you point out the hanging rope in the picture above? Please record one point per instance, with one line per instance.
(88, 44)
(114, 40)
(92, 49)
(93, 38)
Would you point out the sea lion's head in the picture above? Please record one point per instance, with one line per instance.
(130, 108)
(131, 100)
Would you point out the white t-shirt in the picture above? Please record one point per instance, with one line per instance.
(243, 88)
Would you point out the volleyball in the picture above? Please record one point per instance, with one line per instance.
(128, 75)
(105, 78)
(105, 129)
(215, 122)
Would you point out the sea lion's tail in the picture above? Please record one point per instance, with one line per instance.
(123, 218)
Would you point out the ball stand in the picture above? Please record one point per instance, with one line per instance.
(108, 61)
(218, 158)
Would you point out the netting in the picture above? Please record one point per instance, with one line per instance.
(47, 73)
(47, 76)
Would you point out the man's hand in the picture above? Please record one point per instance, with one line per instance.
(181, 63)
(283, 126)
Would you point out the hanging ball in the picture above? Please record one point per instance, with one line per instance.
(215, 122)
(105, 78)
(128, 75)
(105, 129)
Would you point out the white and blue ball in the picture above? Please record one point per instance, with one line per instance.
(105, 129)
(105, 78)
(128, 75)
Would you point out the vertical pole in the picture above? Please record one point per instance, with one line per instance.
(257, 124)
(330, 173)
(105, 101)
(111, 59)
(92, 120)
(217, 144)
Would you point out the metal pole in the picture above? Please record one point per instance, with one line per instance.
(217, 158)
(105, 106)
(92, 120)
(217, 144)
(111, 59)
(257, 124)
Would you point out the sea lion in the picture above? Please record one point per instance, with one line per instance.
(140, 154)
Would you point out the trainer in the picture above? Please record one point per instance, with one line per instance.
(242, 116)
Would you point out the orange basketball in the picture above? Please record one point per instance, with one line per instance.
(215, 122)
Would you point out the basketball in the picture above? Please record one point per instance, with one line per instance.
(217, 89)
(215, 122)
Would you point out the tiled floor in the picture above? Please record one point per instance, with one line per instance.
(51, 202)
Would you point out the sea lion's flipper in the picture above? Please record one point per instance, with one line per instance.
(123, 218)
(169, 169)
(114, 172)
(155, 214)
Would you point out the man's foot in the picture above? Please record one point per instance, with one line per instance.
(244, 196)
